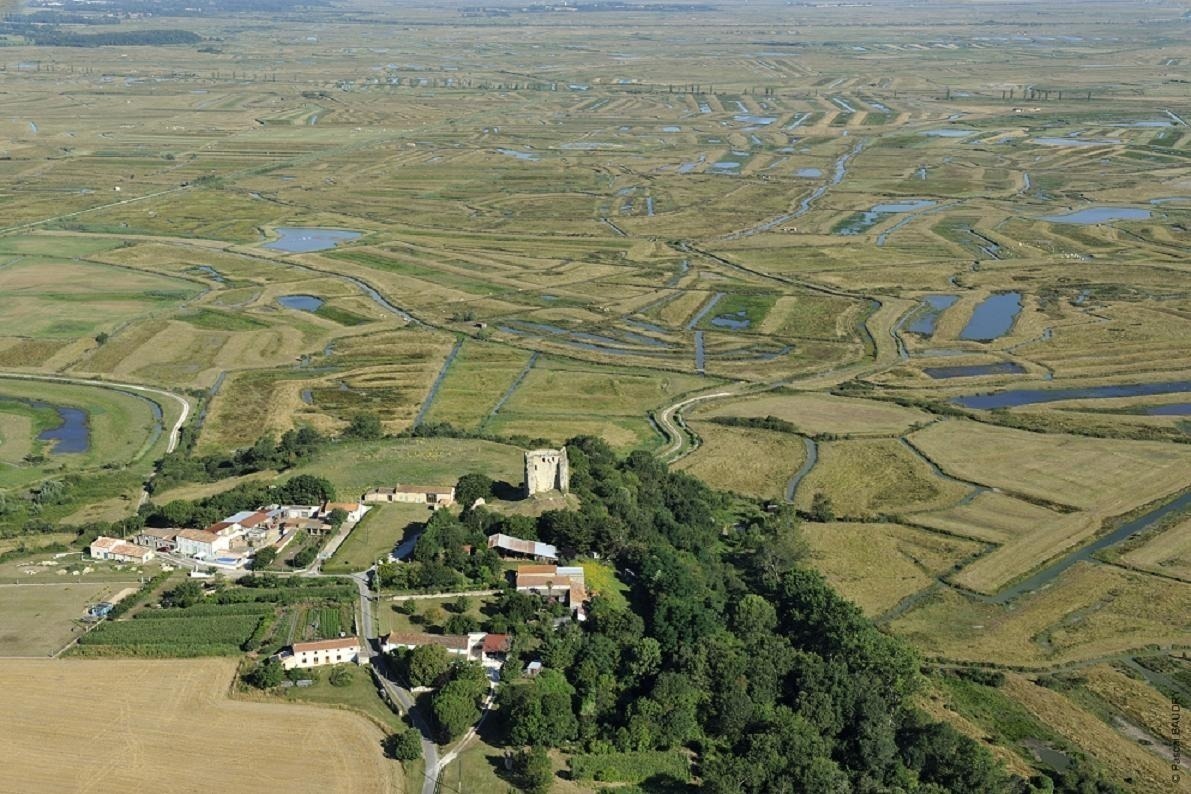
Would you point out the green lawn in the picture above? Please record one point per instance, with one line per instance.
(431, 614)
(356, 467)
(383, 528)
(360, 695)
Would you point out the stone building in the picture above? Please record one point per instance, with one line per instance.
(547, 470)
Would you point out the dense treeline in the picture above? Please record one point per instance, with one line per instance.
(47, 36)
(303, 489)
(731, 649)
(293, 448)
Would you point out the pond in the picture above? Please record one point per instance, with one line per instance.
(947, 133)
(736, 321)
(992, 317)
(72, 436)
(517, 154)
(304, 239)
(809, 173)
(1053, 141)
(303, 303)
(1015, 397)
(974, 370)
(1092, 215)
(860, 222)
(1173, 409)
(927, 317)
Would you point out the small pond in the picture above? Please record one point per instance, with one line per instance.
(1054, 141)
(926, 318)
(71, 436)
(809, 173)
(947, 132)
(860, 222)
(992, 317)
(304, 239)
(1092, 215)
(303, 303)
(517, 154)
(736, 321)
(974, 370)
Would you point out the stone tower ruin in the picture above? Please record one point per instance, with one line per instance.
(547, 470)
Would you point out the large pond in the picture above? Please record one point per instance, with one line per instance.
(862, 221)
(304, 239)
(992, 317)
(1092, 215)
(302, 303)
(1016, 397)
(1173, 409)
(71, 436)
(927, 317)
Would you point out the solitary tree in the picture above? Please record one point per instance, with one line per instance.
(821, 508)
(472, 487)
(365, 426)
(405, 745)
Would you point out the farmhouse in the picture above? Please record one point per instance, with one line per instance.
(202, 543)
(433, 495)
(564, 583)
(157, 539)
(345, 650)
(468, 646)
(105, 548)
(495, 648)
(509, 545)
(355, 511)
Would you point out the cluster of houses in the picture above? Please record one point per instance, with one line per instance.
(229, 542)
(565, 584)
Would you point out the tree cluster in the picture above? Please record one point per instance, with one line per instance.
(730, 648)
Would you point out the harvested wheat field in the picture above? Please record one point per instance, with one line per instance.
(169, 726)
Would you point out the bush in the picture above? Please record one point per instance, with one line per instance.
(266, 675)
(340, 676)
(404, 746)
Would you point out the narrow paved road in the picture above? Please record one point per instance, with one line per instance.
(398, 694)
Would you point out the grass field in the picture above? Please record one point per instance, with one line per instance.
(149, 704)
(355, 467)
(39, 619)
(120, 428)
(1104, 475)
(868, 477)
(374, 537)
(878, 565)
(1168, 553)
(1089, 612)
(751, 462)
(824, 413)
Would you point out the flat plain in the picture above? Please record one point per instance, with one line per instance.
(951, 257)
(143, 708)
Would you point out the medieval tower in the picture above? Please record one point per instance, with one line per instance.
(547, 470)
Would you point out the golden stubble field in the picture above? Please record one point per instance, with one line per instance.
(168, 726)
